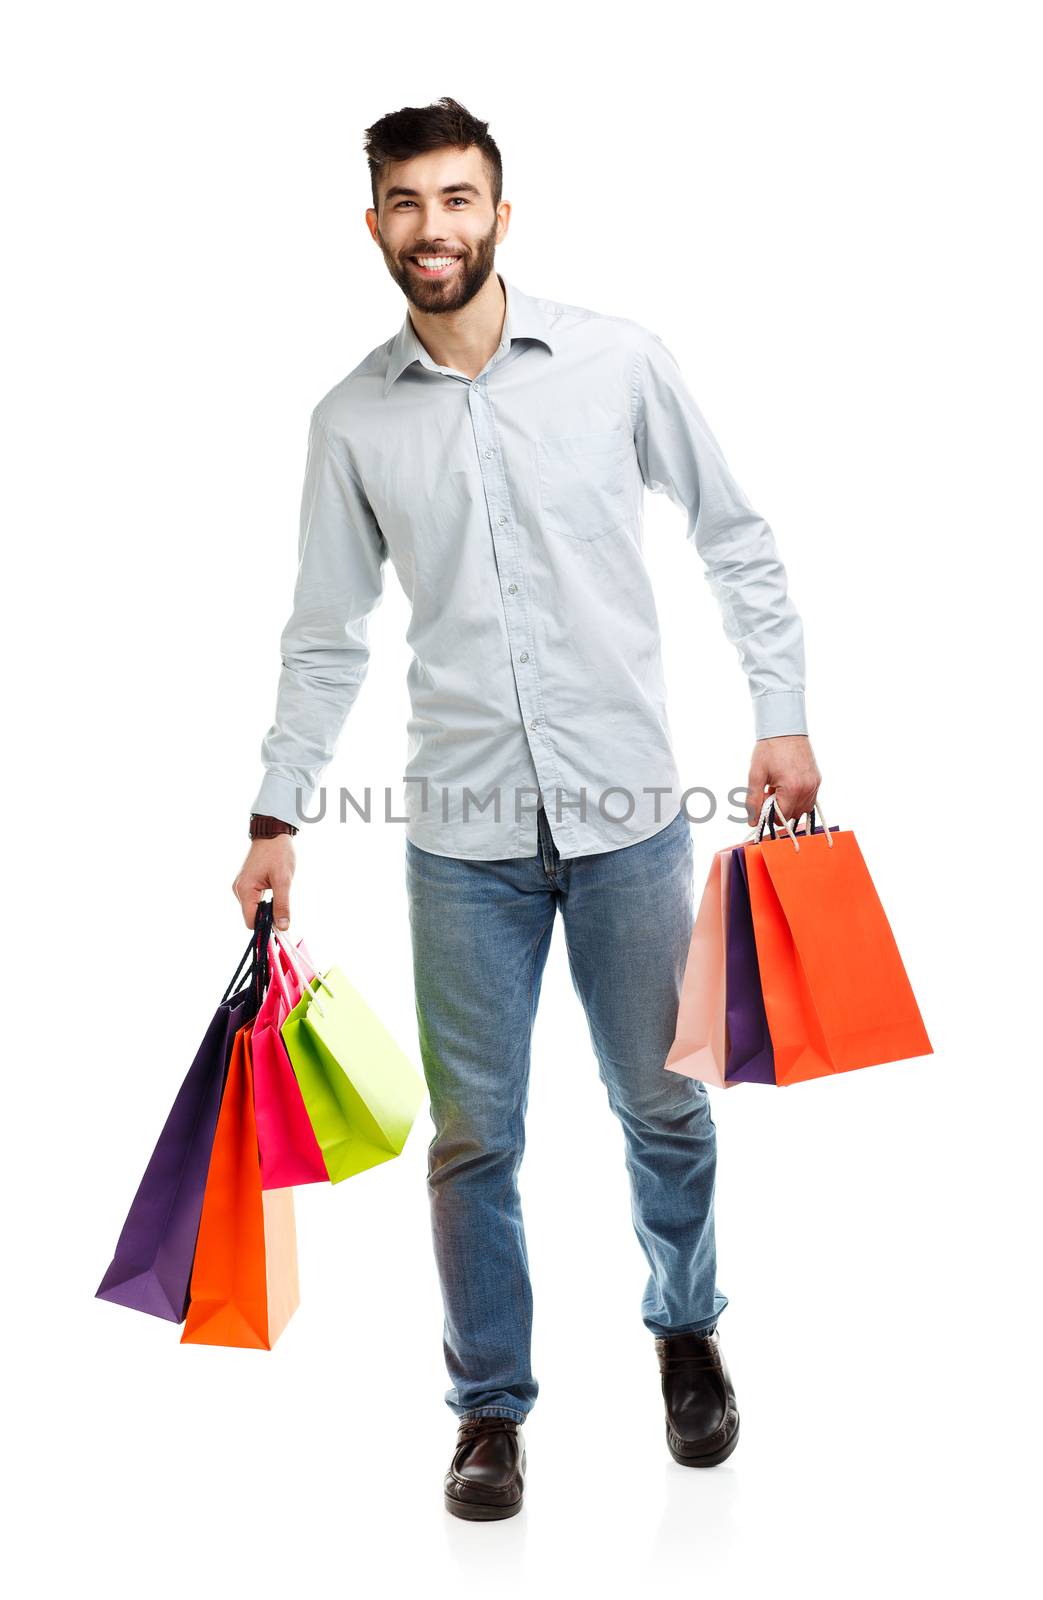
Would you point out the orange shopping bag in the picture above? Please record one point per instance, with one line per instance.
(244, 1277)
(836, 993)
(698, 1050)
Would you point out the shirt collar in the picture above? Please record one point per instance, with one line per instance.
(524, 319)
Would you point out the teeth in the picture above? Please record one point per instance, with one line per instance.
(435, 263)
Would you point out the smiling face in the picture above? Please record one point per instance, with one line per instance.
(437, 227)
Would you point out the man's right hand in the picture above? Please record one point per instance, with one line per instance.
(270, 864)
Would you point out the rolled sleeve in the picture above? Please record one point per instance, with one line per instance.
(324, 645)
(679, 455)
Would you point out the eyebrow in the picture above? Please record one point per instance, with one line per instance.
(447, 188)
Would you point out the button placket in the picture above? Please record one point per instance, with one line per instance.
(515, 595)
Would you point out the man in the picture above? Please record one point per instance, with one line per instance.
(497, 450)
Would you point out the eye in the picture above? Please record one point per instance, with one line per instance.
(456, 199)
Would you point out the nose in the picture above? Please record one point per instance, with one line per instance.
(429, 216)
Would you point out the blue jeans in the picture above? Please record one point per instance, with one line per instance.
(480, 934)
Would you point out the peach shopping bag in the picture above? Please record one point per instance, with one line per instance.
(698, 1050)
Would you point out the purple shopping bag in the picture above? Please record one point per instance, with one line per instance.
(749, 1055)
(152, 1267)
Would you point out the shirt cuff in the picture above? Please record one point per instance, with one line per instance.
(778, 712)
(277, 797)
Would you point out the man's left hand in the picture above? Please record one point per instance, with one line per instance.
(787, 767)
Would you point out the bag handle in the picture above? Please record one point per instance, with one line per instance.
(236, 976)
(257, 951)
(811, 821)
(767, 819)
(280, 977)
(295, 962)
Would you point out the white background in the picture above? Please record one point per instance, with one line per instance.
(826, 212)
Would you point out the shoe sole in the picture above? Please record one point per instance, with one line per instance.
(475, 1511)
(712, 1460)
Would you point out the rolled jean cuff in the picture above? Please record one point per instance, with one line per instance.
(492, 1411)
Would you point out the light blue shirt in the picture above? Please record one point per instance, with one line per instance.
(510, 506)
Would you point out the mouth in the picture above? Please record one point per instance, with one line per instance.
(434, 266)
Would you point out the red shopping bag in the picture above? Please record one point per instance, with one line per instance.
(244, 1286)
(836, 992)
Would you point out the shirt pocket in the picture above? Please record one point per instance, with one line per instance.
(582, 482)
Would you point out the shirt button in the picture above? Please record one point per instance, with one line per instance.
(489, 454)
(524, 656)
(512, 588)
(501, 520)
(535, 722)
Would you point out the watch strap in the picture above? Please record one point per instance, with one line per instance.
(262, 827)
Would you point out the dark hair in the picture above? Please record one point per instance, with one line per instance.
(416, 129)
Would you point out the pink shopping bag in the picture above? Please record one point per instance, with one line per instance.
(307, 966)
(288, 1149)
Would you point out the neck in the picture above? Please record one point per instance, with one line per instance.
(464, 339)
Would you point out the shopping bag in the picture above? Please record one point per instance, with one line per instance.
(749, 1054)
(361, 1090)
(698, 1050)
(244, 1279)
(152, 1264)
(836, 992)
(289, 1151)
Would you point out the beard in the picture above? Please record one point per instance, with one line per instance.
(439, 295)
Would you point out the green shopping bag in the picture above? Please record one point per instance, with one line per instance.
(361, 1092)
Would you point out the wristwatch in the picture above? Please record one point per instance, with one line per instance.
(262, 827)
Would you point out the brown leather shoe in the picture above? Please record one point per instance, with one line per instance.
(486, 1476)
(702, 1419)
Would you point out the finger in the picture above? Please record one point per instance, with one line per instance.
(757, 785)
(810, 800)
(798, 803)
(243, 894)
(784, 803)
(281, 903)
